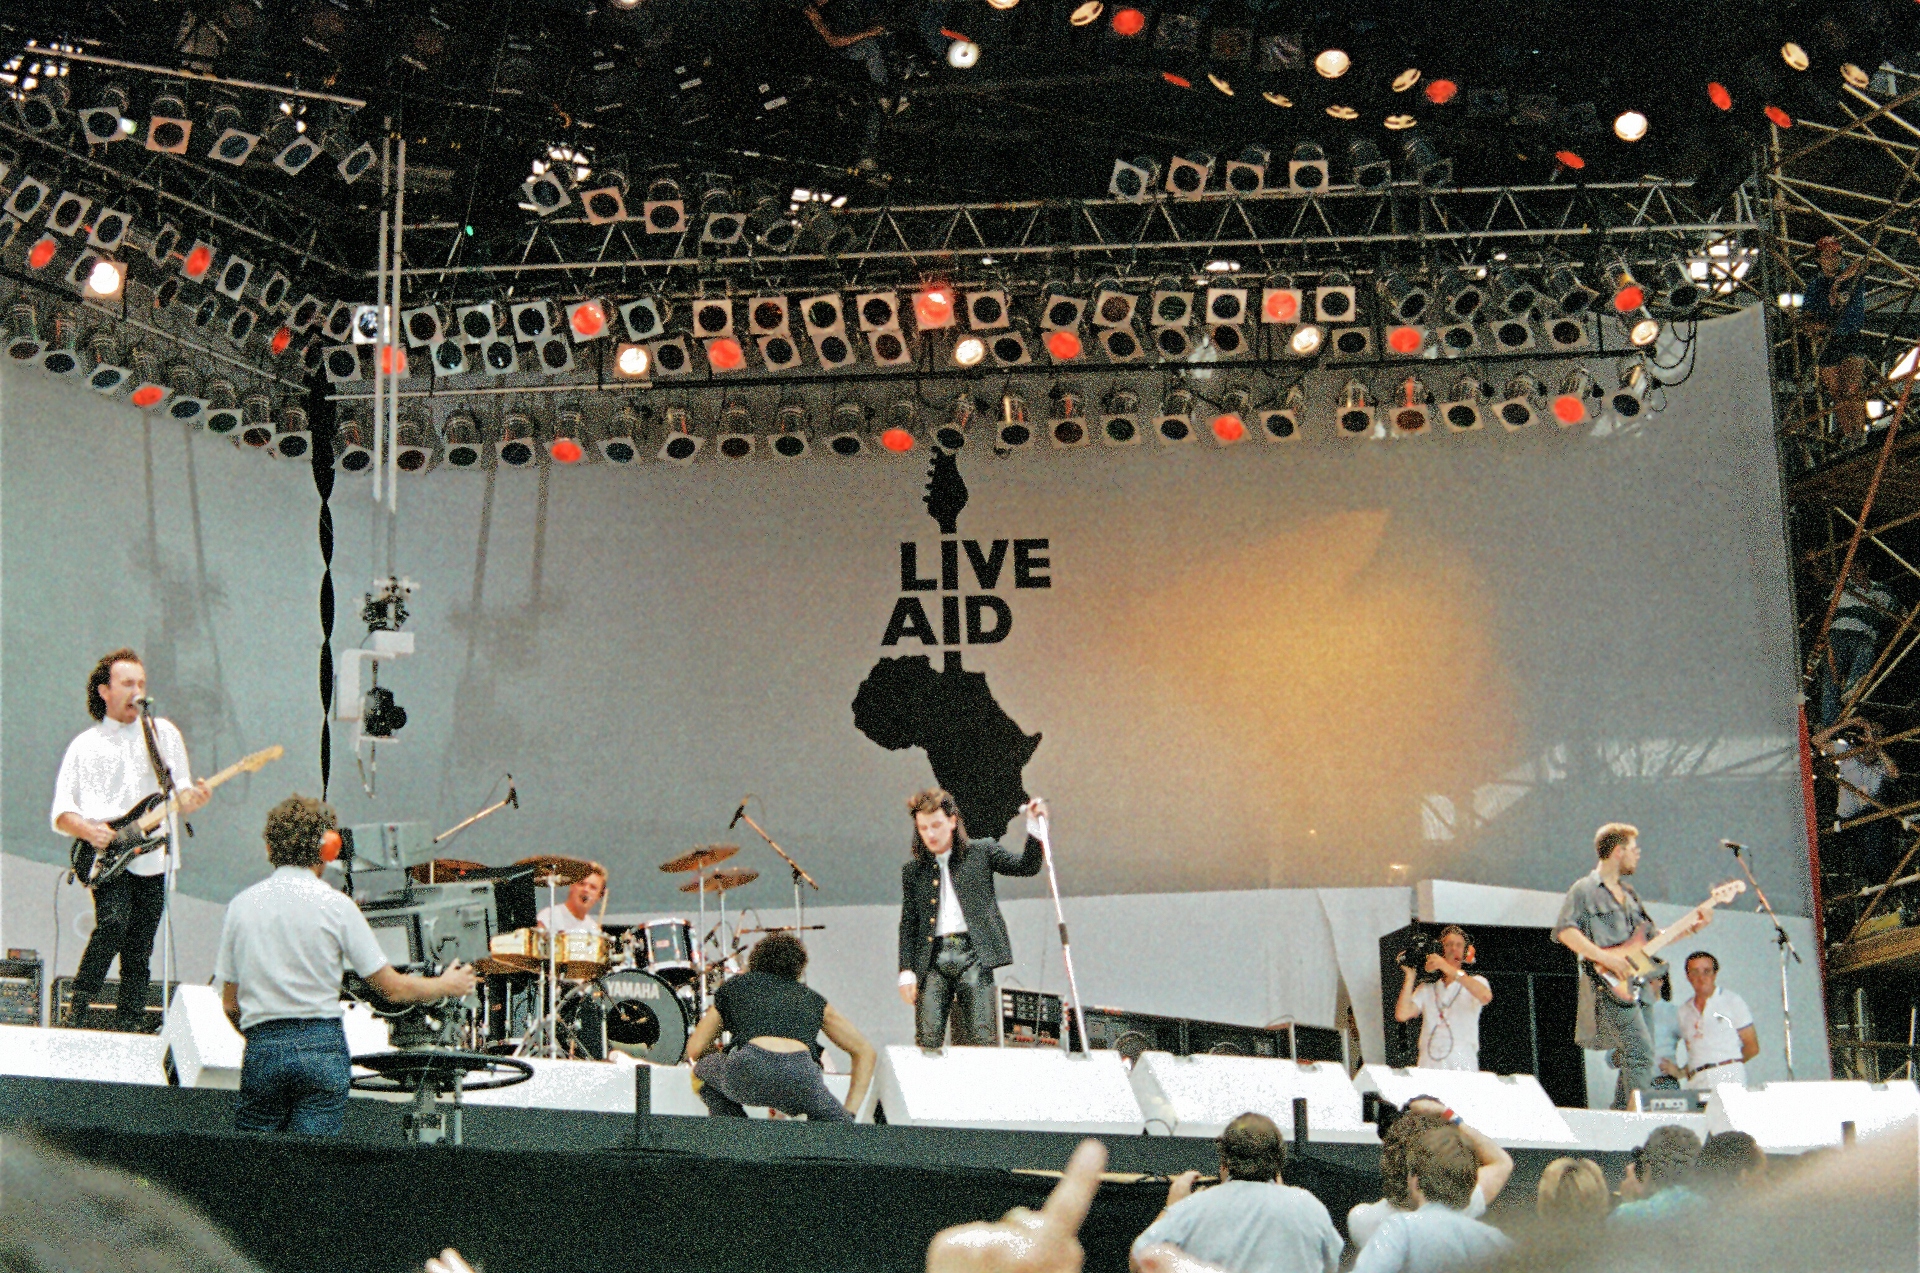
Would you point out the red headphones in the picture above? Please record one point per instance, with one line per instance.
(330, 846)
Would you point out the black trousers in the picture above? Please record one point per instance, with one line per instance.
(957, 987)
(126, 915)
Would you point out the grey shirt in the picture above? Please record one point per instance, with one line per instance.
(1434, 1239)
(1246, 1226)
(1591, 908)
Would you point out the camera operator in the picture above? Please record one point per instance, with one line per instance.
(1447, 1000)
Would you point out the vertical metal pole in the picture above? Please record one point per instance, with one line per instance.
(380, 306)
(1786, 1009)
(393, 325)
(1066, 947)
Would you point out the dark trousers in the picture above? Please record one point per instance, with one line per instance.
(1627, 1028)
(295, 1078)
(960, 987)
(790, 1082)
(126, 915)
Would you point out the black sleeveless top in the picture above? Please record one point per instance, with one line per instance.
(756, 1004)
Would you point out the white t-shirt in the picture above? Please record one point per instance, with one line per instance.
(558, 919)
(286, 943)
(1365, 1220)
(1449, 1025)
(1714, 1034)
(107, 771)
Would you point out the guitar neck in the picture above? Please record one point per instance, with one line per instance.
(1680, 928)
(154, 817)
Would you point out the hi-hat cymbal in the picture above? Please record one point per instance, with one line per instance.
(700, 859)
(443, 870)
(561, 871)
(721, 881)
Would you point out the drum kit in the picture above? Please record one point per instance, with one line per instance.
(585, 993)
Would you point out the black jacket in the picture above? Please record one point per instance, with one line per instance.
(973, 867)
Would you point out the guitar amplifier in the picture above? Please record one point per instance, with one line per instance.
(1029, 1019)
(21, 977)
(106, 1002)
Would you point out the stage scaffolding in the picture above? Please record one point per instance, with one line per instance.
(1856, 177)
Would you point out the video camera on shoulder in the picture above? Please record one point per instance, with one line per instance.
(1422, 943)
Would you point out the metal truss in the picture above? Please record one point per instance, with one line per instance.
(1345, 228)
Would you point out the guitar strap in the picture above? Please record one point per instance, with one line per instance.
(161, 774)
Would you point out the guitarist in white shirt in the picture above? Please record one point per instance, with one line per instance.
(107, 769)
(1602, 910)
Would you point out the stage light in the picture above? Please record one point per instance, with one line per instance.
(27, 198)
(1306, 340)
(1354, 411)
(1855, 76)
(41, 105)
(1112, 307)
(646, 318)
(342, 364)
(350, 453)
(552, 356)
(105, 375)
(1307, 168)
(1628, 295)
(1518, 406)
(987, 310)
(109, 230)
(1247, 175)
(1343, 112)
(232, 142)
(1566, 334)
(1679, 291)
(1280, 302)
(234, 276)
(1189, 174)
(239, 326)
(1406, 298)
(1570, 403)
(1168, 306)
(951, 434)
(1002, 4)
(1511, 335)
(499, 357)
(1643, 329)
(222, 412)
(1794, 56)
(889, 347)
(1406, 340)
(1630, 126)
(144, 374)
(424, 326)
(1172, 342)
(963, 55)
(256, 419)
(1278, 99)
(292, 148)
(1087, 13)
(1174, 424)
(530, 320)
(1631, 382)
(41, 254)
(105, 278)
(1717, 94)
(1229, 424)
(733, 434)
(460, 434)
(1332, 63)
(1411, 404)
(671, 357)
(848, 421)
(1120, 418)
(516, 447)
(1512, 295)
(307, 314)
(1282, 423)
(280, 341)
(69, 211)
(933, 307)
(1009, 349)
(104, 122)
(1066, 418)
(1461, 410)
(1128, 22)
(449, 358)
(1370, 168)
(619, 440)
(293, 436)
(1778, 117)
(1569, 291)
(665, 210)
(549, 190)
(62, 355)
(1333, 300)
(1226, 305)
(1429, 169)
(197, 264)
(1442, 91)
(968, 351)
(1063, 345)
(631, 362)
(587, 320)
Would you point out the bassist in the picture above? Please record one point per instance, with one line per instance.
(1602, 910)
(108, 769)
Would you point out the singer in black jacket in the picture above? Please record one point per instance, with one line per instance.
(952, 935)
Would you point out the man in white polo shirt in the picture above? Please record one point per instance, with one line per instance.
(575, 914)
(1717, 1027)
(285, 946)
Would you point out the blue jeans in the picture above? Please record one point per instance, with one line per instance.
(295, 1078)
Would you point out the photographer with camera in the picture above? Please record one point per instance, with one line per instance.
(1446, 998)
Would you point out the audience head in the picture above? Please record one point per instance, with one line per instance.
(778, 955)
(1572, 1191)
(1665, 1160)
(1729, 1161)
(1251, 1149)
(1441, 1167)
(1401, 1133)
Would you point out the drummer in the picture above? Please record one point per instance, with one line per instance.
(575, 914)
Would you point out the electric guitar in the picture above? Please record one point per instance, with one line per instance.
(94, 867)
(1639, 952)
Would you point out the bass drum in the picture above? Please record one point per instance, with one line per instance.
(645, 1019)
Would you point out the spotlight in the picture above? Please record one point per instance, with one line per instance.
(1122, 344)
(460, 435)
(223, 414)
(987, 310)
(307, 314)
(671, 357)
(342, 364)
(232, 143)
(961, 412)
(1642, 329)
(1307, 170)
(274, 294)
(680, 444)
(1333, 300)
(1429, 170)
(1511, 335)
(962, 54)
(350, 453)
(353, 163)
(1332, 63)
(877, 311)
(1519, 404)
(1630, 126)
(1406, 298)
(1280, 302)
(1247, 175)
(1514, 296)
(1462, 296)
(27, 198)
(148, 390)
(516, 447)
(1112, 307)
(1226, 339)
(1631, 383)
(168, 128)
(646, 318)
(1794, 56)
(1174, 424)
(1172, 342)
(1134, 181)
(788, 441)
(293, 437)
(424, 326)
(1188, 174)
(1009, 349)
(1569, 291)
(968, 351)
(1128, 21)
(549, 191)
(778, 352)
(586, 320)
(1461, 410)
(1679, 291)
(1370, 169)
(1120, 418)
(100, 122)
(933, 307)
(107, 374)
(1406, 340)
(1282, 423)
(606, 204)
(1229, 424)
(631, 362)
(499, 357)
(1064, 345)
(664, 211)
(1566, 334)
(1570, 403)
(1627, 293)
(1066, 418)
(733, 435)
(1306, 341)
(1411, 404)
(239, 320)
(771, 227)
(62, 355)
(41, 107)
(1169, 307)
(69, 212)
(1456, 339)
(1354, 411)
(1226, 305)
(105, 278)
(449, 358)
(530, 321)
(292, 149)
(552, 356)
(846, 426)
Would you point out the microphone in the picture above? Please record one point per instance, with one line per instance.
(513, 795)
(145, 703)
(1735, 845)
(740, 812)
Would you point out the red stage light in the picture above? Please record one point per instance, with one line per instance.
(282, 337)
(1405, 340)
(1717, 94)
(1570, 408)
(1282, 307)
(589, 320)
(199, 261)
(1063, 345)
(1176, 80)
(147, 395)
(934, 307)
(1630, 297)
(1440, 92)
(1129, 22)
(1229, 427)
(899, 441)
(1780, 118)
(1570, 160)
(387, 355)
(42, 254)
(565, 451)
(724, 354)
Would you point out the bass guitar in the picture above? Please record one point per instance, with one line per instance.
(1640, 952)
(94, 867)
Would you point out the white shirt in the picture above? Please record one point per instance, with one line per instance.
(1449, 1024)
(107, 771)
(558, 919)
(1246, 1226)
(951, 919)
(1434, 1239)
(1713, 1034)
(286, 943)
(1365, 1220)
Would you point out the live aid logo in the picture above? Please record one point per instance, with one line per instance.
(970, 618)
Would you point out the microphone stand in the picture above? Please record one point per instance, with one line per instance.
(1060, 917)
(1785, 943)
(169, 793)
(799, 898)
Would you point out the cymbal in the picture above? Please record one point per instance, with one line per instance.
(701, 858)
(443, 870)
(721, 881)
(560, 870)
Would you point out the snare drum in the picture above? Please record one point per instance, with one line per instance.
(577, 947)
(668, 950)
